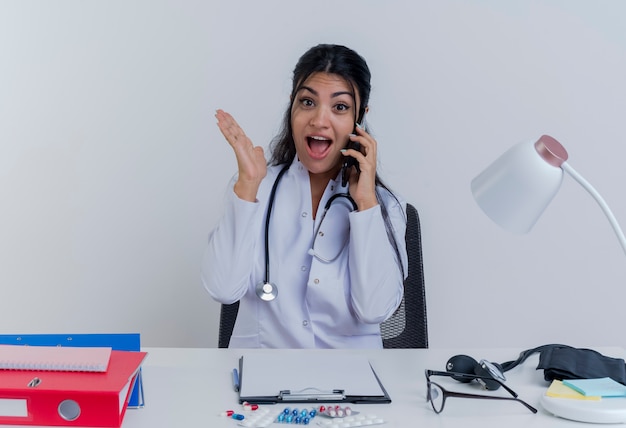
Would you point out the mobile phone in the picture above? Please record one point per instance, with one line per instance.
(349, 162)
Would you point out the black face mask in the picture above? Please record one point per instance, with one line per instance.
(565, 362)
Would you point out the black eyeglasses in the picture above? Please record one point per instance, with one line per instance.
(437, 394)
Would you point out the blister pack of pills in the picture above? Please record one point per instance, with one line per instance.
(261, 418)
(351, 421)
(296, 416)
(254, 416)
(336, 411)
(344, 417)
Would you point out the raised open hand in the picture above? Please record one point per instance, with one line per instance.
(251, 160)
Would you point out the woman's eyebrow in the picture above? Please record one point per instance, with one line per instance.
(333, 95)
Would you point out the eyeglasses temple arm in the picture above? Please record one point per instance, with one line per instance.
(489, 397)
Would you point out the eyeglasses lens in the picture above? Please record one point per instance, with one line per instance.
(435, 396)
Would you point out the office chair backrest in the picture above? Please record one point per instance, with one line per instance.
(228, 315)
(407, 327)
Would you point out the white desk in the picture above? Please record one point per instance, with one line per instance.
(190, 387)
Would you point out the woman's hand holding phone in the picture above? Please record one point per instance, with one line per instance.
(362, 177)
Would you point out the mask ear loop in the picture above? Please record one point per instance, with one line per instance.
(265, 289)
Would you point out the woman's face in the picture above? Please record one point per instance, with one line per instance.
(322, 117)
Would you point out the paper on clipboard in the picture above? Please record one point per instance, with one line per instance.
(267, 375)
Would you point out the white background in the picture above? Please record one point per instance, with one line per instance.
(112, 170)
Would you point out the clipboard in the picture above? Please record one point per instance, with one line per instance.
(271, 378)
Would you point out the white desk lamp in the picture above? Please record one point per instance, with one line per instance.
(518, 186)
(513, 191)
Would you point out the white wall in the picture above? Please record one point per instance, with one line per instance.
(112, 170)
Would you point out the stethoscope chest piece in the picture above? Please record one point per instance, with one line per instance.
(266, 291)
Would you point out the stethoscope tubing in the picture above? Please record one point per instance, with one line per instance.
(263, 295)
(267, 221)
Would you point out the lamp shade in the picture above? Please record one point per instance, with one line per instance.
(518, 186)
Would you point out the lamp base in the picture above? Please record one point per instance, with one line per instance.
(604, 411)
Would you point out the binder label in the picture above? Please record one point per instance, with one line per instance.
(13, 407)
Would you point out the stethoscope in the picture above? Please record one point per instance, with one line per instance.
(265, 289)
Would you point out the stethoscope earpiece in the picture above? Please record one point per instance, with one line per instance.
(266, 291)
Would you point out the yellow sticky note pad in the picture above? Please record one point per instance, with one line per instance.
(558, 390)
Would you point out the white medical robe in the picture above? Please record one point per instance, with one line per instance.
(320, 304)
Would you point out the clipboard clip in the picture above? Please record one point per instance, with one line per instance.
(312, 394)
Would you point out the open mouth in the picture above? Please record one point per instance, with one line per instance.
(318, 146)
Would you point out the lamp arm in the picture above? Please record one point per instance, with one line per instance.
(607, 211)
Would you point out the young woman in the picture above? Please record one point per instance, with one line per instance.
(312, 247)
